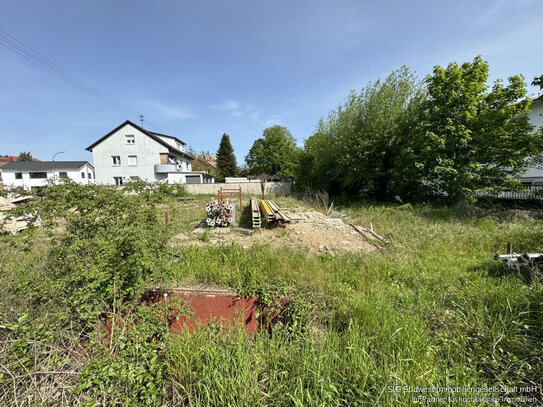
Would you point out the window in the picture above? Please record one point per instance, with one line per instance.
(90, 175)
(118, 180)
(35, 175)
(82, 174)
(63, 174)
(18, 175)
(116, 160)
(132, 160)
(130, 139)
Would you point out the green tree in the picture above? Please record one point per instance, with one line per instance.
(275, 153)
(469, 136)
(25, 156)
(226, 160)
(354, 151)
(538, 81)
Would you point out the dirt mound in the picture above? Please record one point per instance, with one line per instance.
(309, 230)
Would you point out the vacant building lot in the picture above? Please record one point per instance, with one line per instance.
(430, 308)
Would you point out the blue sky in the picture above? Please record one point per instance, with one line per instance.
(198, 69)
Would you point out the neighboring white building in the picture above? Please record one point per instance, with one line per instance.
(36, 174)
(534, 175)
(130, 151)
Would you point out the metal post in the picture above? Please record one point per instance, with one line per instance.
(166, 308)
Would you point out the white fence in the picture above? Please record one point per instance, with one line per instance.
(527, 192)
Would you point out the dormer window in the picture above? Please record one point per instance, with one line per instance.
(130, 139)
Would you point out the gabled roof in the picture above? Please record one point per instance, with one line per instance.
(154, 136)
(43, 165)
(165, 135)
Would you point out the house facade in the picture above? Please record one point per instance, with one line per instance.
(534, 175)
(31, 175)
(130, 152)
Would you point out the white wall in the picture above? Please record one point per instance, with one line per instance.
(274, 188)
(27, 183)
(536, 114)
(171, 141)
(535, 174)
(145, 148)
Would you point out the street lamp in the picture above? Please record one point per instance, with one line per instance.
(60, 152)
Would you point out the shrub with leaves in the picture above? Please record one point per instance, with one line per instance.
(105, 245)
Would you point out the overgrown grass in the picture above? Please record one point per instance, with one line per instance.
(430, 310)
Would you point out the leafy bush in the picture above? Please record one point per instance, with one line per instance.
(156, 190)
(104, 246)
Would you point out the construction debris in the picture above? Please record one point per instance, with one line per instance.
(309, 230)
(529, 265)
(12, 224)
(272, 214)
(220, 214)
(362, 230)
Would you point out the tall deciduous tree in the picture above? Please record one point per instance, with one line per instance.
(470, 137)
(275, 153)
(226, 160)
(355, 149)
(25, 156)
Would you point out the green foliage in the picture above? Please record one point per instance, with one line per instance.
(538, 81)
(112, 242)
(201, 162)
(154, 191)
(275, 153)
(226, 160)
(355, 149)
(25, 156)
(130, 372)
(469, 137)
(103, 248)
(430, 310)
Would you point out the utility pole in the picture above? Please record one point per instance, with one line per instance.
(141, 120)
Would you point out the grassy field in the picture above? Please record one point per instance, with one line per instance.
(432, 309)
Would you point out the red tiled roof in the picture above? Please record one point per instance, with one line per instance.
(4, 159)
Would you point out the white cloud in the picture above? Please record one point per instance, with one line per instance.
(248, 111)
(178, 112)
(233, 107)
